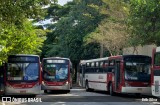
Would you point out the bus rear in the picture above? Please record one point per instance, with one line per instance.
(131, 74)
(56, 74)
(155, 74)
(137, 74)
(22, 75)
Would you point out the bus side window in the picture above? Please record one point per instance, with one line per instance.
(101, 70)
(105, 70)
(110, 69)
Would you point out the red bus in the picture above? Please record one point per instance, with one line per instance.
(130, 74)
(56, 74)
(22, 75)
(155, 74)
(118, 74)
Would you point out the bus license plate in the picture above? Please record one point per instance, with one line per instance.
(139, 89)
(22, 91)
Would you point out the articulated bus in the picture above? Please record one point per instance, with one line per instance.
(22, 75)
(56, 74)
(118, 74)
(155, 74)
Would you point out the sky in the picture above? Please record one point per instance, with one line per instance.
(62, 2)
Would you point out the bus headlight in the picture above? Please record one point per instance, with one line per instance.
(66, 83)
(43, 83)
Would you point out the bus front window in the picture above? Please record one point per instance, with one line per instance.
(31, 71)
(22, 71)
(55, 72)
(137, 71)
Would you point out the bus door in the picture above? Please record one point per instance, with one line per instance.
(117, 75)
(83, 75)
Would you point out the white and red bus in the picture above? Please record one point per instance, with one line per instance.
(22, 75)
(119, 74)
(84, 68)
(155, 74)
(56, 74)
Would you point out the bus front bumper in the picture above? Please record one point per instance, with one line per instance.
(28, 91)
(142, 90)
(62, 87)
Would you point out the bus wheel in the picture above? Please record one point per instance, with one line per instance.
(87, 86)
(45, 91)
(111, 90)
(70, 87)
(138, 94)
(68, 91)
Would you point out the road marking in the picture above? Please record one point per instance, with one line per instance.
(78, 89)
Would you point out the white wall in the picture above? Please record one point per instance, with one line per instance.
(140, 50)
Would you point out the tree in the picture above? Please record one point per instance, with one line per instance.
(112, 32)
(14, 11)
(17, 41)
(82, 19)
(17, 35)
(66, 40)
(144, 21)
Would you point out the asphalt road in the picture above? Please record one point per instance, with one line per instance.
(78, 96)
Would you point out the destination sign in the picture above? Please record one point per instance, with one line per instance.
(55, 61)
(23, 59)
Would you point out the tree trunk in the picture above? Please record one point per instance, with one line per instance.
(101, 50)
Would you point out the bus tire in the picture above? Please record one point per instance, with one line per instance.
(68, 91)
(111, 90)
(138, 94)
(45, 91)
(71, 87)
(87, 86)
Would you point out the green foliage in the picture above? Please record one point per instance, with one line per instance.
(144, 21)
(17, 34)
(111, 33)
(77, 19)
(24, 40)
(14, 11)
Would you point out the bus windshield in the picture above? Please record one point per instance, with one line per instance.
(22, 71)
(55, 72)
(137, 70)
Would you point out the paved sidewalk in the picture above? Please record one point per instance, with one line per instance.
(76, 86)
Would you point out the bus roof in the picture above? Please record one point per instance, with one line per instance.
(106, 58)
(56, 58)
(131, 55)
(94, 60)
(25, 55)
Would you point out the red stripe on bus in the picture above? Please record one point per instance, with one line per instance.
(97, 81)
(19, 85)
(54, 83)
